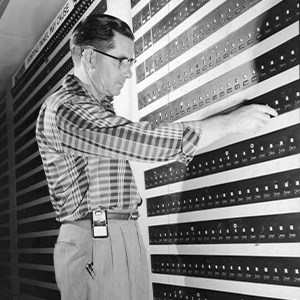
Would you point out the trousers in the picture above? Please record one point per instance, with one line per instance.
(120, 268)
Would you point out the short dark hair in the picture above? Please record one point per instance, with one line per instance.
(97, 30)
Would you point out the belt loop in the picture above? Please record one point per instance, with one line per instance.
(134, 215)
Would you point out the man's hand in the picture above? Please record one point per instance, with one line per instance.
(245, 120)
(249, 119)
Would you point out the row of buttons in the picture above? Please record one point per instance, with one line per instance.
(268, 270)
(272, 21)
(220, 17)
(267, 147)
(167, 24)
(266, 229)
(266, 66)
(55, 41)
(283, 99)
(175, 292)
(147, 12)
(271, 187)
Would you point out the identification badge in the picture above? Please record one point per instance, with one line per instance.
(99, 224)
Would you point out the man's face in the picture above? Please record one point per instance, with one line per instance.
(108, 76)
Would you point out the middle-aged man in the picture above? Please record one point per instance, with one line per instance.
(86, 149)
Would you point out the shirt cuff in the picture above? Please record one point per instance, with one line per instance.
(190, 140)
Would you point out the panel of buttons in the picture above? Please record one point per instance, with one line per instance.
(139, 48)
(169, 22)
(175, 292)
(268, 270)
(277, 144)
(31, 118)
(208, 47)
(55, 40)
(270, 22)
(64, 50)
(271, 187)
(147, 12)
(232, 45)
(221, 16)
(266, 229)
(283, 99)
(50, 66)
(264, 67)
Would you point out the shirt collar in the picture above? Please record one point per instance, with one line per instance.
(72, 85)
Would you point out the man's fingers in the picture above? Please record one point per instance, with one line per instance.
(266, 109)
(265, 116)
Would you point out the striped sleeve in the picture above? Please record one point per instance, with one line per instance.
(84, 129)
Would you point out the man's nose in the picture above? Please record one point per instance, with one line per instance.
(127, 73)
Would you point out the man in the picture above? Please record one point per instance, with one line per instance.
(85, 150)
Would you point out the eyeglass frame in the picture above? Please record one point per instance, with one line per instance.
(129, 61)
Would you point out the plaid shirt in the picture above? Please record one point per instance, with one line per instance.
(85, 149)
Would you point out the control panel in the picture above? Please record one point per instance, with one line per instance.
(226, 225)
(281, 271)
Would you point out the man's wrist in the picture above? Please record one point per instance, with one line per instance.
(196, 125)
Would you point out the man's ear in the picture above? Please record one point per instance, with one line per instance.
(89, 58)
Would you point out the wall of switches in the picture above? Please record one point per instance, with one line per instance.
(226, 226)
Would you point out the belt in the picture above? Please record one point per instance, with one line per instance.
(111, 215)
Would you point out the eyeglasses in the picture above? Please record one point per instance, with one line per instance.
(123, 62)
